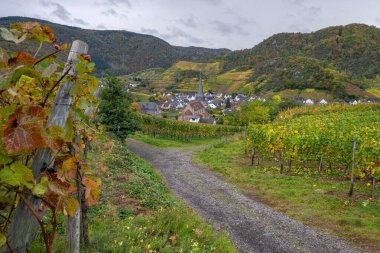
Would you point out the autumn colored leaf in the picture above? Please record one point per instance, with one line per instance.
(3, 239)
(72, 206)
(12, 35)
(4, 159)
(92, 191)
(24, 132)
(17, 174)
(34, 31)
(24, 72)
(61, 46)
(4, 58)
(21, 58)
(69, 168)
(48, 71)
(41, 188)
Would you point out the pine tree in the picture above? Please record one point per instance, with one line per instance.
(114, 110)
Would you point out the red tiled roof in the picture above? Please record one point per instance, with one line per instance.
(196, 105)
(186, 113)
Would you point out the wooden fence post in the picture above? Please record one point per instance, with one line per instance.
(245, 139)
(24, 225)
(352, 169)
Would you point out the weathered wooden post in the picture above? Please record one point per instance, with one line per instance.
(245, 139)
(24, 225)
(352, 169)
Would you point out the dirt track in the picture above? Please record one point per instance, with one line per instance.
(253, 226)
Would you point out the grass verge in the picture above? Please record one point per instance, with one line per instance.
(319, 202)
(137, 213)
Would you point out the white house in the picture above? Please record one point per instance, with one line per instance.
(355, 102)
(212, 106)
(194, 119)
(309, 102)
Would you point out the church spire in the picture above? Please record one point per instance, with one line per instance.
(200, 96)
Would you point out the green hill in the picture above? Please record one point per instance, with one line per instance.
(336, 62)
(121, 52)
(342, 60)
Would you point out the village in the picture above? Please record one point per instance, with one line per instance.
(198, 107)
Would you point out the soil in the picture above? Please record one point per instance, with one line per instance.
(252, 225)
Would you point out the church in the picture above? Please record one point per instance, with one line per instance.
(195, 111)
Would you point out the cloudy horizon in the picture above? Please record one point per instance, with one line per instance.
(206, 23)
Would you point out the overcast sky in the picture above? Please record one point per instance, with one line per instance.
(233, 24)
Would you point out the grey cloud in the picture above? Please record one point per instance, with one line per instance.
(228, 28)
(298, 28)
(109, 12)
(116, 3)
(101, 26)
(189, 22)
(80, 21)
(314, 10)
(59, 10)
(377, 20)
(149, 30)
(177, 33)
(214, 2)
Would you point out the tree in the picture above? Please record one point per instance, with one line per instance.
(228, 103)
(114, 110)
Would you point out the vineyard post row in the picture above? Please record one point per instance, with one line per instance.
(347, 142)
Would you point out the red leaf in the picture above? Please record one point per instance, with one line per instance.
(24, 131)
(22, 58)
(87, 57)
(92, 191)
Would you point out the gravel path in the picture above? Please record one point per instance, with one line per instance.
(253, 226)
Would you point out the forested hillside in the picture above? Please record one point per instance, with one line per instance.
(335, 62)
(120, 52)
(337, 59)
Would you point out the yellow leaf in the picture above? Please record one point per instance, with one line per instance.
(72, 206)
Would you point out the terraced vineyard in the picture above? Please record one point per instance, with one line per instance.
(159, 127)
(330, 140)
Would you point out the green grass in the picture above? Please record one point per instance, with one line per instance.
(137, 213)
(140, 97)
(319, 202)
(169, 143)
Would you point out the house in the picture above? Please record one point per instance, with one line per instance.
(192, 109)
(150, 108)
(309, 102)
(212, 106)
(210, 120)
(353, 102)
(194, 119)
(323, 102)
(166, 106)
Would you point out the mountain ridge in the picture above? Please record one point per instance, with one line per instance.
(119, 51)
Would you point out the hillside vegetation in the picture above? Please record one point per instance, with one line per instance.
(335, 62)
(120, 52)
(184, 76)
(335, 59)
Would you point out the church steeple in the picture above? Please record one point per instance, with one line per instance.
(200, 96)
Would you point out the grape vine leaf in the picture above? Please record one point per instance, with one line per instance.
(3, 58)
(21, 58)
(12, 35)
(3, 239)
(72, 206)
(24, 131)
(4, 159)
(34, 31)
(40, 188)
(92, 191)
(17, 174)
